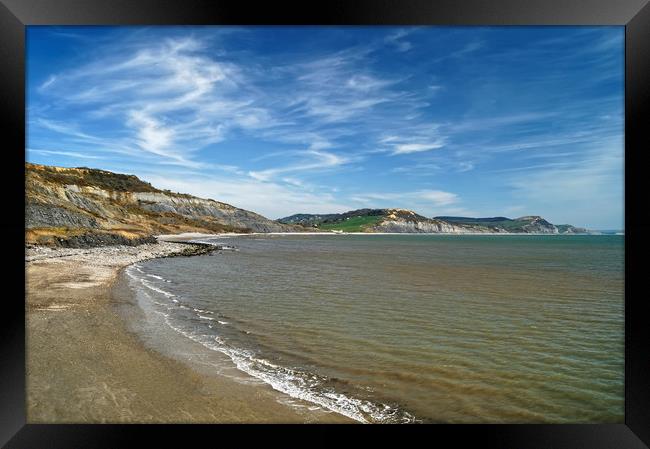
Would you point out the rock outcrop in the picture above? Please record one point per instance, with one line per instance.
(537, 225)
(404, 220)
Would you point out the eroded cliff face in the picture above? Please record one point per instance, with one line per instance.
(404, 220)
(425, 226)
(66, 203)
(193, 207)
(537, 225)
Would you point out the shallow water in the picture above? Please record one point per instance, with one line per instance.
(403, 328)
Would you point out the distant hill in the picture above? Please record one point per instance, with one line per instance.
(403, 220)
(379, 220)
(526, 224)
(87, 207)
(487, 220)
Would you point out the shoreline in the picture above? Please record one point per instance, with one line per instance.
(189, 237)
(86, 364)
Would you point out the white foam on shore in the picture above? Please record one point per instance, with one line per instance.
(145, 283)
(156, 289)
(304, 386)
(203, 311)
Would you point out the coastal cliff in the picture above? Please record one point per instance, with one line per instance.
(407, 221)
(403, 220)
(378, 220)
(89, 207)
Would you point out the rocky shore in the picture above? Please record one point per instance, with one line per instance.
(118, 255)
(126, 254)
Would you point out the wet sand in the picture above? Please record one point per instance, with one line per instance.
(86, 365)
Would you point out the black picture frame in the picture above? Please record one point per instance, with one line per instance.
(633, 14)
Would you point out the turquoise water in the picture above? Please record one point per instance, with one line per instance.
(413, 328)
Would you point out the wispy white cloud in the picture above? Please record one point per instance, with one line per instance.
(406, 148)
(438, 197)
(48, 82)
(422, 169)
(152, 136)
(64, 128)
(397, 39)
(466, 49)
(432, 197)
(340, 87)
(143, 87)
(469, 48)
(517, 210)
(69, 154)
(315, 160)
(485, 123)
(465, 166)
(413, 138)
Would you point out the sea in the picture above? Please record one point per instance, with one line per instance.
(410, 328)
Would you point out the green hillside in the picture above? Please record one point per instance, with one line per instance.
(352, 224)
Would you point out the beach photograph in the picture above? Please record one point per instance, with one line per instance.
(324, 224)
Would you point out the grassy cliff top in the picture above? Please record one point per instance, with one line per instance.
(94, 177)
(84, 176)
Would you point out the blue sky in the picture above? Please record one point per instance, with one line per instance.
(472, 121)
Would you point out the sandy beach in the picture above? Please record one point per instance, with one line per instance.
(86, 365)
